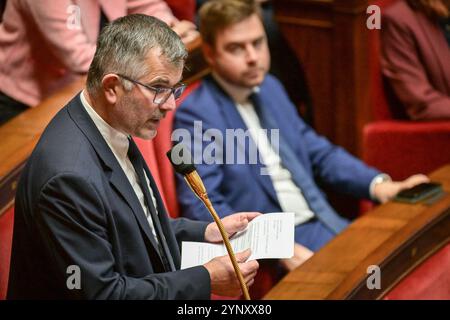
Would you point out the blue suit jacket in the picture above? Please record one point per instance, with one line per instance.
(241, 187)
(75, 206)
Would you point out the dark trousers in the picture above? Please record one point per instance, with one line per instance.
(9, 108)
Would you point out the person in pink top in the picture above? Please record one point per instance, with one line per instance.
(45, 44)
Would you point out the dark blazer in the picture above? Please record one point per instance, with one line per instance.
(416, 62)
(241, 187)
(75, 206)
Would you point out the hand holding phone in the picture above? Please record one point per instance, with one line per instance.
(420, 192)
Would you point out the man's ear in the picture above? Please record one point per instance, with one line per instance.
(208, 53)
(112, 87)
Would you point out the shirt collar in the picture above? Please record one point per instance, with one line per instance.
(116, 140)
(237, 93)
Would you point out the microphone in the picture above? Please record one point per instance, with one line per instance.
(181, 159)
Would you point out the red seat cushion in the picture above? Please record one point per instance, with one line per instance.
(380, 108)
(402, 148)
(6, 231)
(429, 281)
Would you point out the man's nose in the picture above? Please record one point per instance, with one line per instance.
(168, 105)
(252, 55)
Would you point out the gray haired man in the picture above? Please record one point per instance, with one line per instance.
(89, 221)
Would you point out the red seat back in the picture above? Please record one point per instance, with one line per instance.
(429, 281)
(379, 106)
(6, 231)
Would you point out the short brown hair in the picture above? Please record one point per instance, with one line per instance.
(216, 15)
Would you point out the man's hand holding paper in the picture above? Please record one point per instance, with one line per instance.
(232, 224)
(269, 236)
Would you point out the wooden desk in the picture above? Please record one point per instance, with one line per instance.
(20, 135)
(397, 237)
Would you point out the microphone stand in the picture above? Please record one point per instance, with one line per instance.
(187, 169)
(195, 183)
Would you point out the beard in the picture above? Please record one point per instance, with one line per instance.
(134, 119)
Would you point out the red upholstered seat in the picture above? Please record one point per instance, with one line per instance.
(6, 230)
(400, 147)
(429, 281)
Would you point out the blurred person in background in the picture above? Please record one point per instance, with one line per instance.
(415, 40)
(45, 44)
(285, 64)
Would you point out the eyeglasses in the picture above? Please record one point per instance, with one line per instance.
(161, 93)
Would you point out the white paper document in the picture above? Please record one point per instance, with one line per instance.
(269, 236)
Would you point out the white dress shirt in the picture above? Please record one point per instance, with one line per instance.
(289, 195)
(118, 143)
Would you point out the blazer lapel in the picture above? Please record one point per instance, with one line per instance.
(121, 184)
(285, 131)
(117, 177)
(234, 120)
(164, 219)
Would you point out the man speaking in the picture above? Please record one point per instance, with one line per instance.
(86, 200)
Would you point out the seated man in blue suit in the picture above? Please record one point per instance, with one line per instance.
(87, 207)
(240, 95)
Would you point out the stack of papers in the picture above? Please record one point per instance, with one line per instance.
(269, 236)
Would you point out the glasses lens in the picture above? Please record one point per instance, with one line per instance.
(178, 91)
(162, 95)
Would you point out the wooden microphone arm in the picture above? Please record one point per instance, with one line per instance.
(195, 183)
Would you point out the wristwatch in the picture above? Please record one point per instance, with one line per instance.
(382, 177)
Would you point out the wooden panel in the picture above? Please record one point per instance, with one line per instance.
(331, 40)
(396, 237)
(308, 29)
(196, 66)
(350, 75)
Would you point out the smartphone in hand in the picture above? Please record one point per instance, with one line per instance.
(420, 192)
